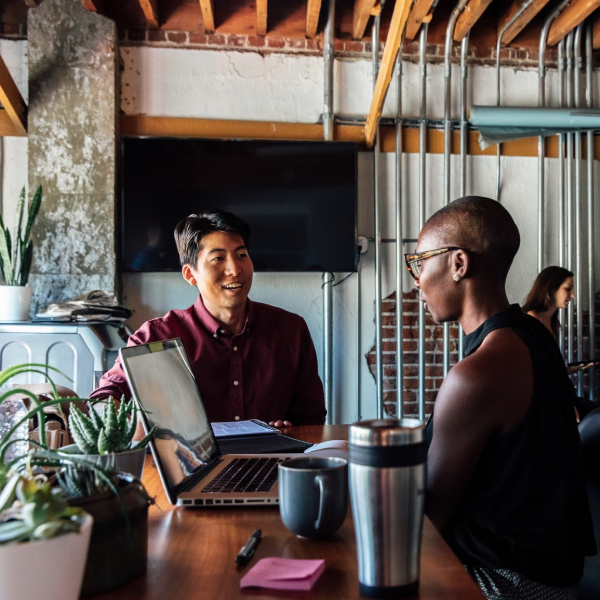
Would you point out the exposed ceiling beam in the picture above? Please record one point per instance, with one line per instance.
(596, 32)
(469, 16)
(418, 15)
(513, 31)
(91, 5)
(363, 9)
(208, 15)
(150, 9)
(12, 101)
(8, 129)
(569, 18)
(261, 17)
(31, 3)
(313, 10)
(390, 51)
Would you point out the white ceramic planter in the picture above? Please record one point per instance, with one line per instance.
(47, 568)
(15, 301)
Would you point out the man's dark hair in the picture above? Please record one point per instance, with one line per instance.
(190, 232)
(484, 227)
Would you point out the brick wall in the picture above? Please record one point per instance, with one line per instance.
(434, 349)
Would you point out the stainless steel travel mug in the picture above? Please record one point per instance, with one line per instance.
(387, 489)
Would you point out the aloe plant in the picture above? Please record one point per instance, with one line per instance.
(16, 253)
(108, 432)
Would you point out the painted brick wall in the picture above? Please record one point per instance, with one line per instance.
(434, 348)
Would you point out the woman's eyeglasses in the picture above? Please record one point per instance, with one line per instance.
(413, 261)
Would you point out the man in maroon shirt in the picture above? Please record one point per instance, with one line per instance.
(250, 360)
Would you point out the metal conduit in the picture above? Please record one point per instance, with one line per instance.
(399, 237)
(377, 233)
(422, 182)
(561, 182)
(448, 141)
(464, 73)
(589, 97)
(569, 189)
(501, 33)
(577, 67)
(328, 57)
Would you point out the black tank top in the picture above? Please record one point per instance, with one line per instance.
(526, 507)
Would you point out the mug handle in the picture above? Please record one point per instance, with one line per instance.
(324, 498)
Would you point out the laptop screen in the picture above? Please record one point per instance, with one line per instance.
(161, 379)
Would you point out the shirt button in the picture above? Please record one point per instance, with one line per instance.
(235, 383)
(223, 331)
(215, 335)
(235, 348)
(237, 418)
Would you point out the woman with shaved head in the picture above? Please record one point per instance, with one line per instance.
(504, 483)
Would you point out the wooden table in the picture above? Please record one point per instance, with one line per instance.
(191, 552)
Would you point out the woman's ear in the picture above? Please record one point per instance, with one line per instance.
(188, 275)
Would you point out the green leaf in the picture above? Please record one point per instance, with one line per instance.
(26, 260)
(5, 253)
(34, 209)
(13, 531)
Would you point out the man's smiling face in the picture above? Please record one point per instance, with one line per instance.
(223, 273)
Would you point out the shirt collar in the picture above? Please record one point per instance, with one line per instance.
(211, 324)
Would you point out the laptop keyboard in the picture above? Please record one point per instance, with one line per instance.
(245, 475)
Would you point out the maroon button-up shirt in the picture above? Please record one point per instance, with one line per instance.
(268, 372)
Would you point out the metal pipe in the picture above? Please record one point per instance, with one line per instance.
(399, 258)
(377, 235)
(448, 142)
(569, 185)
(501, 33)
(589, 97)
(422, 183)
(328, 344)
(464, 72)
(561, 182)
(578, 201)
(358, 308)
(328, 58)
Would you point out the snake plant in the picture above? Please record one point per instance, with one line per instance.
(108, 431)
(16, 253)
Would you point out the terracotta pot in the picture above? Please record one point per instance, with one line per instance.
(46, 568)
(119, 546)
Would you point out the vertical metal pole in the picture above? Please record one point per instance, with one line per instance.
(578, 202)
(399, 260)
(589, 97)
(561, 182)
(448, 141)
(464, 72)
(377, 236)
(328, 58)
(569, 184)
(422, 183)
(358, 308)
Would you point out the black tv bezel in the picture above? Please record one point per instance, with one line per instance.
(126, 269)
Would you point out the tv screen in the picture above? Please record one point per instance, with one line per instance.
(299, 198)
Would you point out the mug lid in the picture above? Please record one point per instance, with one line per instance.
(387, 432)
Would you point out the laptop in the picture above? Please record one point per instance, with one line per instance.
(192, 469)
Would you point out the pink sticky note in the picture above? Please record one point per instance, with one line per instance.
(283, 574)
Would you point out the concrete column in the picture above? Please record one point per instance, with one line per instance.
(73, 135)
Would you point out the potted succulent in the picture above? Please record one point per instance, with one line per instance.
(16, 254)
(106, 436)
(118, 502)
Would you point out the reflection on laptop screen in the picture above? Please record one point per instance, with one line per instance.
(164, 385)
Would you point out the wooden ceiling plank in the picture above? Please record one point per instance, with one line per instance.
(8, 129)
(261, 17)
(150, 9)
(313, 10)
(31, 3)
(418, 15)
(513, 31)
(362, 14)
(469, 16)
(208, 15)
(384, 77)
(11, 99)
(569, 18)
(596, 32)
(91, 5)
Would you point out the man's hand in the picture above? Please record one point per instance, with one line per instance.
(280, 424)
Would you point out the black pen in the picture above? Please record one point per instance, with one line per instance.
(247, 550)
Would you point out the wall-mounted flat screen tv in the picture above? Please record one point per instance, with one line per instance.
(299, 198)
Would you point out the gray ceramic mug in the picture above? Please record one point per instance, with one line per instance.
(313, 495)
